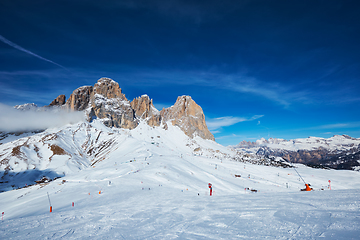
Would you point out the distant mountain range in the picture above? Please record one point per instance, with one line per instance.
(337, 152)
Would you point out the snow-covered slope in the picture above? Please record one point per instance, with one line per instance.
(151, 183)
(57, 152)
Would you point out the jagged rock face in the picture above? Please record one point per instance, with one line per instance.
(142, 106)
(107, 102)
(144, 109)
(110, 104)
(114, 112)
(109, 89)
(59, 101)
(79, 99)
(189, 116)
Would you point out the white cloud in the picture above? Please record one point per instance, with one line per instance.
(12, 120)
(272, 92)
(277, 92)
(217, 123)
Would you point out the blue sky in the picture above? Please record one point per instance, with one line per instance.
(280, 69)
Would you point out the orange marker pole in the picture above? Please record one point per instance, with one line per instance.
(49, 202)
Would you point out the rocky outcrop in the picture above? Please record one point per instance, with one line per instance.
(59, 101)
(107, 102)
(144, 109)
(79, 99)
(188, 116)
(108, 88)
(110, 104)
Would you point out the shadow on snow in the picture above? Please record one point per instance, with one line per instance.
(15, 180)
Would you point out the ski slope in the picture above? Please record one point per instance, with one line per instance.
(149, 183)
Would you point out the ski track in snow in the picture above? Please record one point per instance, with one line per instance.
(142, 190)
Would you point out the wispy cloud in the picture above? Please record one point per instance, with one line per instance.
(346, 125)
(230, 136)
(12, 120)
(273, 92)
(327, 133)
(8, 42)
(217, 123)
(339, 125)
(276, 92)
(283, 93)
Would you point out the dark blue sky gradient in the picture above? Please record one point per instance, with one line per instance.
(284, 69)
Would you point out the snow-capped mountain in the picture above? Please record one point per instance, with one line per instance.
(336, 143)
(133, 172)
(26, 157)
(26, 107)
(339, 151)
(106, 101)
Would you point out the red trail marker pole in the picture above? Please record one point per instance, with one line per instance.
(49, 202)
(2, 216)
(210, 186)
(329, 184)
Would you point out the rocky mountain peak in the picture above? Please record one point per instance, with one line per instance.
(106, 101)
(80, 98)
(109, 89)
(189, 116)
(144, 109)
(59, 101)
(142, 106)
